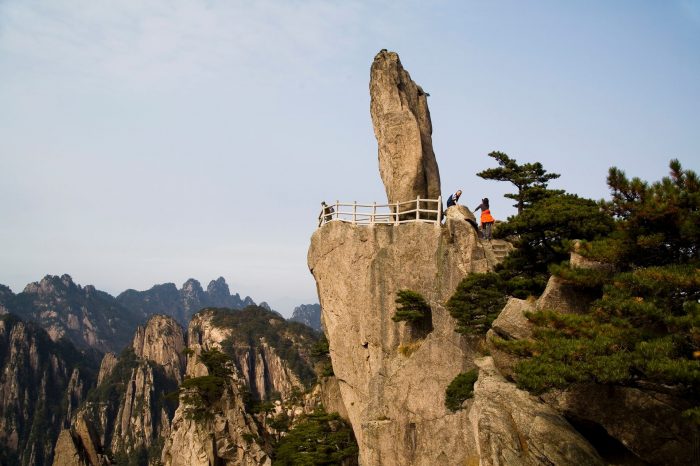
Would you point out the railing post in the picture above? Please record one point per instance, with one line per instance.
(374, 213)
(354, 212)
(418, 208)
(337, 213)
(439, 219)
(396, 214)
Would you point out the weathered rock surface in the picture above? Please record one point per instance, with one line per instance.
(227, 439)
(66, 452)
(40, 387)
(109, 360)
(403, 129)
(396, 409)
(129, 414)
(511, 324)
(162, 341)
(562, 297)
(515, 428)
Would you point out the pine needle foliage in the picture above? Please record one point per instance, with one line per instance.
(478, 300)
(544, 233)
(411, 307)
(319, 439)
(530, 179)
(460, 389)
(645, 326)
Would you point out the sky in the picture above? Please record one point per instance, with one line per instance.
(150, 141)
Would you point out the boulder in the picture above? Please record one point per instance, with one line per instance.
(403, 129)
(511, 324)
(564, 298)
(515, 428)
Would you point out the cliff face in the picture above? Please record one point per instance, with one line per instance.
(393, 378)
(226, 437)
(265, 357)
(127, 415)
(392, 384)
(41, 385)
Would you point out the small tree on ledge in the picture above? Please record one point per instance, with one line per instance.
(411, 307)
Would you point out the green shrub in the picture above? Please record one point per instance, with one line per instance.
(319, 439)
(411, 307)
(460, 389)
(478, 300)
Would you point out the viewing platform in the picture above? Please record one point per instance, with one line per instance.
(417, 210)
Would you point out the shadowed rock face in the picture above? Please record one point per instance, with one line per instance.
(403, 129)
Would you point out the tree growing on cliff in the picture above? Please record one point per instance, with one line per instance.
(531, 179)
(478, 300)
(411, 307)
(645, 326)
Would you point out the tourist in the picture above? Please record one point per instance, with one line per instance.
(486, 217)
(326, 213)
(452, 200)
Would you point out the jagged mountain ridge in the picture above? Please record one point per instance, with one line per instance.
(182, 304)
(86, 316)
(91, 318)
(42, 382)
(308, 314)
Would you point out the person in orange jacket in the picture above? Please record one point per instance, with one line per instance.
(486, 217)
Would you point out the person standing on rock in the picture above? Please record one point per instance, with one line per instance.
(486, 217)
(326, 214)
(452, 200)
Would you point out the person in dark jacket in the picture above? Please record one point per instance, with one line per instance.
(326, 214)
(452, 200)
(487, 219)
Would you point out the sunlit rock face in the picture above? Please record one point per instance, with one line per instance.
(402, 126)
(392, 382)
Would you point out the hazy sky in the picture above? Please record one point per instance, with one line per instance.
(145, 142)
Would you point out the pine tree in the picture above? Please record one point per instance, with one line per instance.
(644, 328)
(531, 179)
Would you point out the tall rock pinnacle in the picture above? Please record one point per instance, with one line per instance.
(403, 129)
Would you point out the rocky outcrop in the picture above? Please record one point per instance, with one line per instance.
(403, 129)
(127, 414)
(66, 451)
(264, 357)
(41, 384)
(162, 341)
(109, 361)
(227, 438)
(514, 427)
(397, 412)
